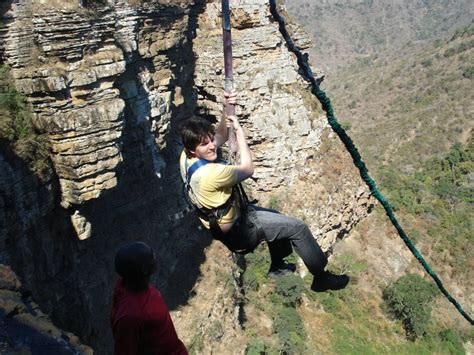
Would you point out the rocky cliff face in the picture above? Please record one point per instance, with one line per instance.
(88, 71)
(109, 87)
(24, 328)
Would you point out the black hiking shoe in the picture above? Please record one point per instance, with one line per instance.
(328, 281)
(281, 270)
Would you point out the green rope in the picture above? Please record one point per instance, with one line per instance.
(307, 74)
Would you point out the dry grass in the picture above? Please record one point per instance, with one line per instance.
(408, 106)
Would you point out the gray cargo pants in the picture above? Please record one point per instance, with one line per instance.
(281, 233)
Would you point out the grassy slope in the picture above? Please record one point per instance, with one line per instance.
(408, 106)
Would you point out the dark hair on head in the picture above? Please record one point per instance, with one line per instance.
(194, 131)
(135, 263)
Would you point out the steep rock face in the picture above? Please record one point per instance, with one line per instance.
(104, 86)
(73, 95)
(109, 87)
(73, 65)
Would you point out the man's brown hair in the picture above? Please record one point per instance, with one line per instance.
(194, 131)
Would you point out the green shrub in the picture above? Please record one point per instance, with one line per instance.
(428, 62)
(15, 121)
(468, 73)
(289, 288)
(348, 264)
(329, 302)
(409, 299)
(288, 326)
(257, 268)
(291, 343)
(259, 346)
(16, 129)
(464, 31)
(452, 342)
(464, 46)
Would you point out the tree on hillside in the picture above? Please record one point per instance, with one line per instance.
(409, 299)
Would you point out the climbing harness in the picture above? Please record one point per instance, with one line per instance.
(306, 72)
(211, 215)
(247, 224)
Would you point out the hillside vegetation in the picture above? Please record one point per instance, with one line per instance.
(18, 136)
(375, 313)
(409, 109)
(344, 30)
(410, 105)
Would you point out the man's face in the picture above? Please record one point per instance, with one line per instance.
(207, 149)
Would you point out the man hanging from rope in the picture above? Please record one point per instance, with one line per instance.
(214, 189)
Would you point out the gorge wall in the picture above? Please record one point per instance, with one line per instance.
(109, 86)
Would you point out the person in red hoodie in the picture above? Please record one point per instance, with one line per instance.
(141, 323)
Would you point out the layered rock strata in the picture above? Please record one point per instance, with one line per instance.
(84, 70)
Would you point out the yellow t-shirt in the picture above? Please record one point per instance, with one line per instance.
(212, 186)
